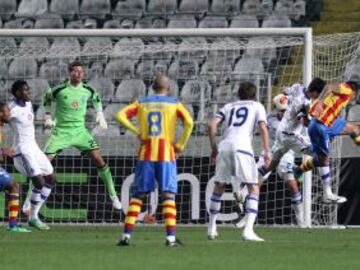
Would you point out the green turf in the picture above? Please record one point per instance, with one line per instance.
(91, 248)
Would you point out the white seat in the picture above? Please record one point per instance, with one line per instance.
(7, 9)
(32, 8)
(276, 20)
(21, 68)
(67, 9)
(162, 7)
(244, 21)
(252, 7)
(263, 48)
(354, 113)
(191, 91)
(129, 8)
(213, 22)
(38, 87)
(119, 68)
(130, 90)
(183, 21)
(191, 6)
(183, 70)
(226, 7)
(53, 72)
(95, 8)
(131, 48)
(49, 21)
(104, 86)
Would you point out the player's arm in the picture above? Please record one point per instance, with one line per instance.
(264, 134)
(212, 128)
(98, 107)
(184, 115)
(124, 116)
(47, 102)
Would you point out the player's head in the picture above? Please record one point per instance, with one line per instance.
(76, 72)
(21, 90)
(247, 91)
(4, 113)
(161, 84)
(280, 102)
(315, 87)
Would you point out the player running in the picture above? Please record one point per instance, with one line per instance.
(235, 157)
(29, 160)
(157, 116)
(326, 124)
(7, 184)
(285, 167)
(69, 130)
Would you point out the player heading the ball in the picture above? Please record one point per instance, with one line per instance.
(157, 116)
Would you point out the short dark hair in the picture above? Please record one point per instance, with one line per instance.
(247, 91)
(2, 105)
(17, 85)
(316, 85)
(354, 85)
(74, 64)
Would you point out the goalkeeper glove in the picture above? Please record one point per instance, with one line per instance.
(100, 119)
(49, 123)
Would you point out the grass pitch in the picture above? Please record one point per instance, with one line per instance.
(91, 248)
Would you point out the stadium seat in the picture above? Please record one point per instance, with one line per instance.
(203, 116)
(119, 68)
(195, 48)
(182, 21)
(67, 9)
(174, 89)
(146, 69)
(244, 21)
(276, 20)
(194, 6)
(1, 23)
(267, 6)
(97, 46)
(213, 22)
(248, 68)
(32, 8)
(40, 114)
(129, 9)
(266, 53)
(49, 21)
(224, 50)
(354, 113)
(3, 70)
(68, 47)
(75, 24)
(14, 24)
(284, 7)
(105, 87)
(215, 70)
(191, 91)
(224, 92)
(352, 69)
(227, 7)
(183, 70)
(23, 68)
(130, 90)
(252, 7)
(299, 9)
(34, 46)
(96, 70)
(162, 7)
(53, 72)
(113, 131)
(131, 48)
(90, 23)
(38, 87)
(7, 9)
(95, 8)
(161, 66)
(144, 23)
(9, 46)
(159, 22)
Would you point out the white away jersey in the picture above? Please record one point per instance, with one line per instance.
(297, 101)
(239, 120)
(273, 123)
(22, 123)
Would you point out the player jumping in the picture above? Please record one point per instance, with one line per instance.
(29, 160)
(235, 156)
(326, 124)
(7, 184)
(285, 167)
(157, 116)
(69, 130)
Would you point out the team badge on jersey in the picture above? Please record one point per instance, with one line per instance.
(74, 104)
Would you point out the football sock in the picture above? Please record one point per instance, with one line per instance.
(35, 203)
(169, 213)
(215, 204)
(105, 175)
(13, 207)
(326, 178)
(45, 192)
(131, 216)
(296, 204)
(356, 138)
(251, 211)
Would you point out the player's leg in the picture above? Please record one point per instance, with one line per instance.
(215, 205)
(144, 182)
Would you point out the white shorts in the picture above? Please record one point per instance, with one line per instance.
(238, 165)
(298, 143)
(285, 167)
(31, 161)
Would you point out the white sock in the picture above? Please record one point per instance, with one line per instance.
(252, 206)
(326, 178)
(45, 193)
(297, 206)
(171, 238)
(215, 205)
(35, 200)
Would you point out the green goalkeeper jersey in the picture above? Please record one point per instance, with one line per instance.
(71, 103)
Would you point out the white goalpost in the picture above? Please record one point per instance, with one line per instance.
(205, 66)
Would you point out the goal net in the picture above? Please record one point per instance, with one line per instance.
(205, 67)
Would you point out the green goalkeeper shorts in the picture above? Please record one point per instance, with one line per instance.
(63, 138)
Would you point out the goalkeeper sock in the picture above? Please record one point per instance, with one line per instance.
(131, 216)
(13, 207)
(326, 178)
(215, 205)
(169, 213)
(35, 203)
(251, 211)
(105, 175)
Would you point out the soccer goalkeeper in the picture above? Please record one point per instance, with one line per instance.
(71, 99)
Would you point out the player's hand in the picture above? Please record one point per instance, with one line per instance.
(100, 120)
(141, 140)
(267, 158)
(8, 151)
(177, 151)
(49, 123)
(214, 153)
